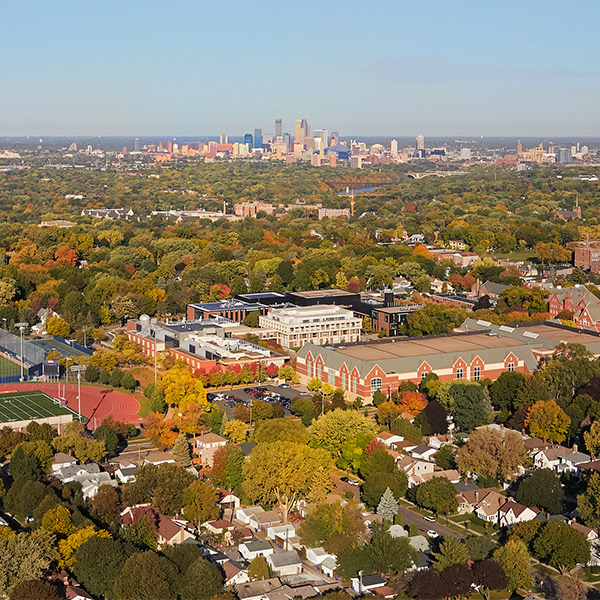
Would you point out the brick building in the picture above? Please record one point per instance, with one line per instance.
(481, 350)
(578, 300)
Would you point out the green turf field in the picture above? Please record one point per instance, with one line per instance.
(8, 368)
(23, 406)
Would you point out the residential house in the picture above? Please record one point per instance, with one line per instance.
(397, 531)
(62, 460)
(234, 573)
(219, 526)
(549, 458)
(75, 592)
(257, 590)
(490, 289)
(569, 463)
(228, 500)
(158, 458)
(512, 512)
(487, 508)
(420, 543)
(590, 534)
(367, 583)
(207, 445)
(317, 556)
(285, 563)
(439, 440)
(244, 514)
(452, 475)
(389, 439)
(261, 521)
(169, 532)
(414, 469)
(534, 445)
(125, 472)
(281, 533)
(89, 476)
(423, 452)
(586, 469)
(469, 499)
(254, 548)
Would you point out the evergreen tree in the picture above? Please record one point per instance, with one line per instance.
(388, 505)
(181, 451)
(258, 569)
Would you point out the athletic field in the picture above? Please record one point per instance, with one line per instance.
(8, 368)
(24, 406)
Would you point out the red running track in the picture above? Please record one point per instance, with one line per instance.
(96, 402)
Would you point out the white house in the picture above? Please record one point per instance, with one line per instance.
(367, 583)
(569, 463)
(62, 460)
(254, 548)
(262, 520)
(244, 514)
(285, 563)
(234, 574)
(423, 452)
(414, 468)
(316, 556)
(549, 458)
(125, 471)
(257, 590)
(512, 512)
(389, 439)
(281, 532)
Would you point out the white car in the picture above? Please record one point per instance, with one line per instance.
(432, 534)
(430, 519)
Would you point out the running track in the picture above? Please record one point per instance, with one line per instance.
(96, 402)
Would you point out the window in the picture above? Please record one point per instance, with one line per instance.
(459, 373)
(343, 381)
(477, 373)
(375, 384)
(511, 366)
(424, 374)
(332, 377)
(354, 385)
(319, 369)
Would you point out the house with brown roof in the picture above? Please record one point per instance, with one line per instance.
(549, 458)
(387, 438)
(234, 573)
(219, 526)
(469, 499)
(590, 534)
(414, 468)
(512, 512)
(262, 521)
(207, 445)
(487, 508)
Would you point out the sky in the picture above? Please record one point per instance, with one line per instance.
(364, 68)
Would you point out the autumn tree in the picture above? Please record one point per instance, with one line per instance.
(547, 420)
(412, 402)
(515, 560)
(452, 552)
(331, 430)
(227, 467)
(592, 438)
(282, 472)
(281, 430)
(387, 412)
(180, 388)
(588, 503)
(200, 502)
(57, 326)
(69, 546)
(258, 569)
(105, 505)
(236, 431)
(159, 431)
(34, 589)
(492, 452)
(335, 526)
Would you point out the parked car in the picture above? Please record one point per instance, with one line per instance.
(431, 533)
(285, 386)
(210, 397)
(430, 519)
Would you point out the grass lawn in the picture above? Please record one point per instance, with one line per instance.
(145, 409)
(8, 368)
(472, 524)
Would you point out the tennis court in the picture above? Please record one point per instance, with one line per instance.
(64, 349)
(24, 406)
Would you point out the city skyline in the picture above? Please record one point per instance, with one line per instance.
(386, 69)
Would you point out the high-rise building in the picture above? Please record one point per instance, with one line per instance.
(335, 138)
(223, 138)
(465, 154)
(248, 140)
(394, 147)
(324, 140)
(170, 146)
(136, 145)
(519, 147)
(563, 155)
(300, 131)
(420, 143)
(278, 129)
(258, 138)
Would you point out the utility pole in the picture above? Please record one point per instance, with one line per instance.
(78, 369)
(22, 327)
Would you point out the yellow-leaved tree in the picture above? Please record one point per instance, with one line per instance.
(181, 388)
(70, 545)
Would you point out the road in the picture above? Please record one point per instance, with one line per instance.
(412, 518)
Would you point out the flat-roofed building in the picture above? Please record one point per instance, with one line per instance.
(480, 350)
(319, 325)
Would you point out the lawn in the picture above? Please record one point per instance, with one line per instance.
(145, 408)
(8, 368)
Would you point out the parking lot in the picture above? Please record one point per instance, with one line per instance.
(227, 399)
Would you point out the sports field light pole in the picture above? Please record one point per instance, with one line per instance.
(21, 327)
(78, 369)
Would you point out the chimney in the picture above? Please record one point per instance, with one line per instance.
(574, 447)
(477, 495)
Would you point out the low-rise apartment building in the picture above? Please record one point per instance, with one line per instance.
(319, 325)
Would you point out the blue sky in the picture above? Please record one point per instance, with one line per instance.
(165, 67)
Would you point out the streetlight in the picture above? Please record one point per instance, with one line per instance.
(78, 369)
(84, 338)
(22, 327)
(5, 322)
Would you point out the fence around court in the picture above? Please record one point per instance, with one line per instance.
(10, 345)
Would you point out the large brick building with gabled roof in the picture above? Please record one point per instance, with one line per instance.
(479, 350)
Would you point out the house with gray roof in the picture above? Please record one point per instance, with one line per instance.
(285, 563)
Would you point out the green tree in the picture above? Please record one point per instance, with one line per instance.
(592, 438)
(388, 555)
(92, 374)
(128, 381)
(388, 505)
(105, 505)
(504, 390)
(588, 503)
(281, 430)
(333, 429)
(470, 405)
(202, 581)
(282, 472)
(181, 452)
(452, 552)
(200, 502)
(258, 569)
(515, 560)
(543, 490)
(444, 458)
(561, 546)
(314, 384)
(24, 556)
(110, 438)
(438, 495)
(147, 575)
(25, 465)
(480, 546)
(227, 467)
(336, 526)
